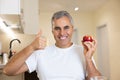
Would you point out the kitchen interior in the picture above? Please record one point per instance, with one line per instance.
(20, 20)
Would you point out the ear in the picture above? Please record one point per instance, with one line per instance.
(73, 29)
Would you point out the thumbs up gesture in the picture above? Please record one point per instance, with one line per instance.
(40, 42)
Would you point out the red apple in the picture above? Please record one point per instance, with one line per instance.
(87, 38)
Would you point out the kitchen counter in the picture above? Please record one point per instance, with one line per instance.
(1, 67)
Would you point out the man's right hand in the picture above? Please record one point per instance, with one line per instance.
(39, 42)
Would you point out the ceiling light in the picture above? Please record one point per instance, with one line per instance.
(76, 8)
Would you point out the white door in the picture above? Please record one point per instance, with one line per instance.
(9, 6)
(103, 50)
(75, 36)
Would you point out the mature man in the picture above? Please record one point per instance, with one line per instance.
(62, 61)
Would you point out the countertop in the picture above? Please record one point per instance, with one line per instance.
(1, 67)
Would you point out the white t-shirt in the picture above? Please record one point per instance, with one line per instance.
(55, 63)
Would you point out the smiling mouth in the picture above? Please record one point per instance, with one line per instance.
(63, 37)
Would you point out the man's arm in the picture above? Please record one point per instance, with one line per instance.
(16, 64)
(89, 49)
(91, 69)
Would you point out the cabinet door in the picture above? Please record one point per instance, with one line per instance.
(9, 6)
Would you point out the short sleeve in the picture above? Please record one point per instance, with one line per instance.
(31, 62)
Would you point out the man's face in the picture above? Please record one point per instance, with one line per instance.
(62, 31)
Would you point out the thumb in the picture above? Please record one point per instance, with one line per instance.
(39, 33)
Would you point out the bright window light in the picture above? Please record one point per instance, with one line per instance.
(6, 29)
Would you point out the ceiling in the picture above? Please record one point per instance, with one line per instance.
(55, 5)
(69, 5)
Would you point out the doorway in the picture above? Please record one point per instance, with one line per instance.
(75, 36)
(103, 50)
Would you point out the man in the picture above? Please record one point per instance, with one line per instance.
(62, 61)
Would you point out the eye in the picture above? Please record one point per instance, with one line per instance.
(66, 27)
(57, 28)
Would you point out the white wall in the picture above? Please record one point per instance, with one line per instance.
(84, 22)
(45, 26)
(110, 14)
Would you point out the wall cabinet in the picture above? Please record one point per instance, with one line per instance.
(9, 6)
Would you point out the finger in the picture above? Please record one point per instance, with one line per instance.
(39, 33)
(95, 43)
(84, 45)
(87, 44)
(90, 45)
(42, 44)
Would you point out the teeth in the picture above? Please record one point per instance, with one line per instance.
(63, 37)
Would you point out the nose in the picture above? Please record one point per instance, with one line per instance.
(62, 32)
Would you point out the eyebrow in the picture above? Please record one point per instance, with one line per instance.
(65, 27)
(56, 27)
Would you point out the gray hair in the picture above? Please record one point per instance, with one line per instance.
(60, 14)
